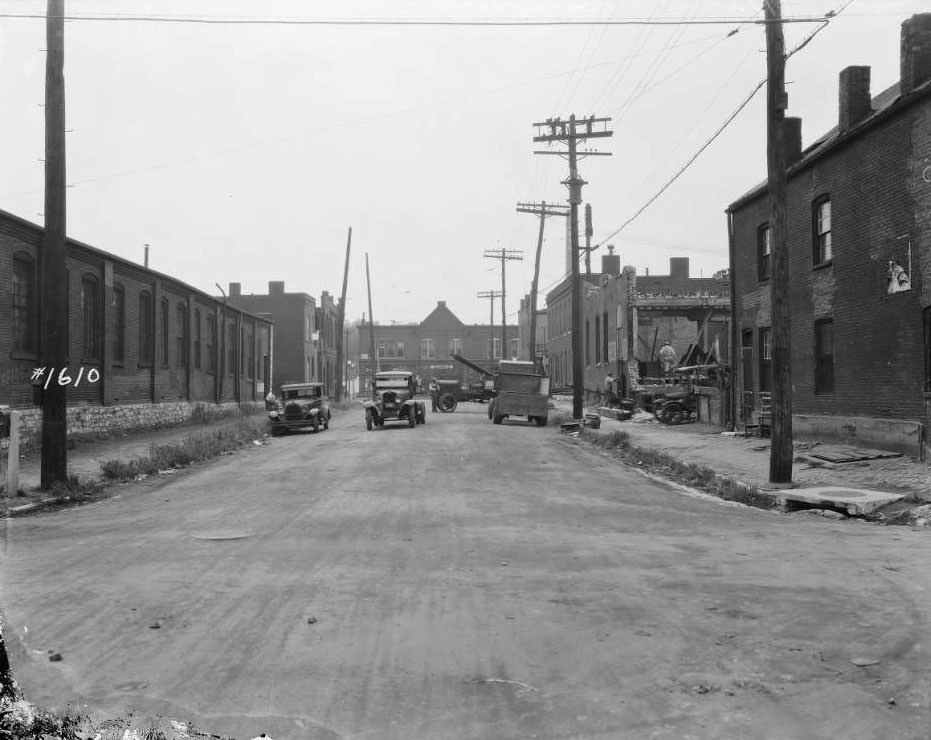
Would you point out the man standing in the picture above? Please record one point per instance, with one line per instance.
(668, 358)
(610, 394)
(434, 392)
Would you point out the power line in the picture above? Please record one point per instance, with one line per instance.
(717, 133)
(231, 21)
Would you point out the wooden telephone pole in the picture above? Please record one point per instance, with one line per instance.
(572, 132)
(780, 458)
(491, 295)
(504, 255)
(368, 285)
(54, 290)
(542, 210)
(340, 321)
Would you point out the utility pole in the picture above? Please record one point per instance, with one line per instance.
(340, 319)
(504, 255)
(780, 457)
(54, 290)
(491, 295)
(572, 132)
(588, 238)
(368, 284)
(542, 210)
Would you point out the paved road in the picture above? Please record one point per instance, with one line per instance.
(466, 581)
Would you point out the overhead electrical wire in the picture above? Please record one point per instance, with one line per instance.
(715, 135)
(230, 21)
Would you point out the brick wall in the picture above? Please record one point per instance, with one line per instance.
(880, 204)
(173, 374)
(89, 420)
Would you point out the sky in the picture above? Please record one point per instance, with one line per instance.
(244, 151)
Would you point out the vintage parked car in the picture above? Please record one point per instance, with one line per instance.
(393, 400)
(300, 406)
(520, 390)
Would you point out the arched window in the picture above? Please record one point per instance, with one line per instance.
(181, 356)
(118, 319)
(25, 304)
(90, 313)
(211, 343)
(166, 342)
(146, 322)
(197, 338)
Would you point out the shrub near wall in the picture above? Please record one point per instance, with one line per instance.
(98, 421)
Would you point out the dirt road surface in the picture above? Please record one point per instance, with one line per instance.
(466, 580)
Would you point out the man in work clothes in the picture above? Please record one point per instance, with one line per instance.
(668, 358)
(610, 395)
(434, 392)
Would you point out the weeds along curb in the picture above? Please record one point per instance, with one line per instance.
(195, 447)
(618, 444)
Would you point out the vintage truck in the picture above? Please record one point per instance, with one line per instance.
(519, 390)
(393, 400)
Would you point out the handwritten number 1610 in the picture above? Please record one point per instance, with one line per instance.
(93, 375)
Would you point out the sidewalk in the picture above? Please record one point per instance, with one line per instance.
(746, 460)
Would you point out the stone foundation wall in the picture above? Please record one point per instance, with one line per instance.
(100, 420)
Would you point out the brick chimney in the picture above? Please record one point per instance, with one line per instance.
(854, 98)
(441, 304)
(611, 262)
(235, 290)
(679, 267)
(915, 52)
(276, 287)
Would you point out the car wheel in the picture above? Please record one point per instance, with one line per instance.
(315, 423)
(326, 421)
(447, 403)
(498, 418)
(491, 409)
(412, 418)
(368, 422)
(541, 421)
(676, 416)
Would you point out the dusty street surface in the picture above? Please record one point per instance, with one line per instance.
(466, 580)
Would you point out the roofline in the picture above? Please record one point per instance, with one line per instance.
(897, 106)
(6, 216)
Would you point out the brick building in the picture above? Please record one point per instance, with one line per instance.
(538, 347)
(559, 327)
(424, 348)
(327, 317)
(150, 339)
(859, 245)
(626, 318)
(294, 350)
